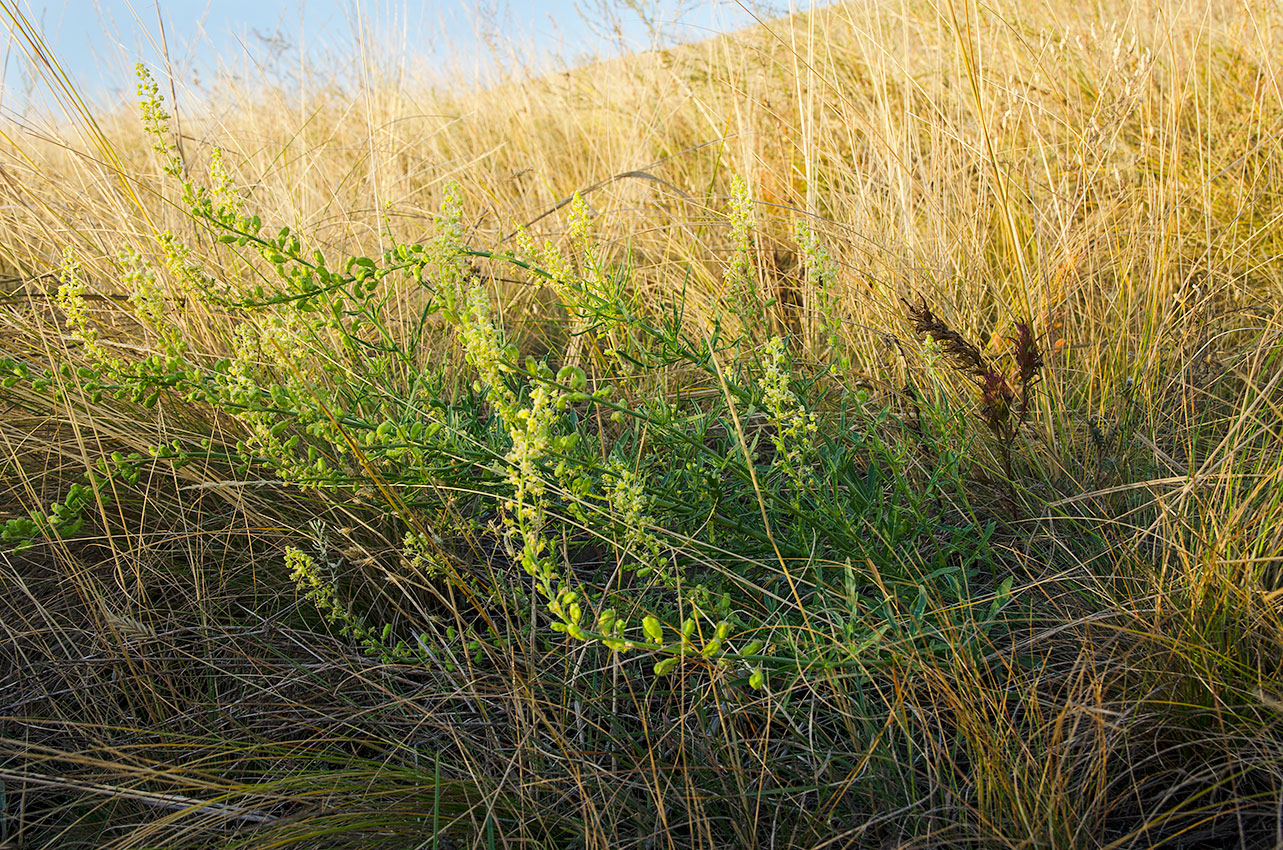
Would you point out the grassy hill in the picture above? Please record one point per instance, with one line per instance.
(857, 431)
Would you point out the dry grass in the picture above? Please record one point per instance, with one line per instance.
(1108, 172)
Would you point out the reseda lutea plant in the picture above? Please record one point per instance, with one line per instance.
(724, 517)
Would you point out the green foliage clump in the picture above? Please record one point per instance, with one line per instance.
(778, 524)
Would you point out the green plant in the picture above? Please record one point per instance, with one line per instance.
(332, 400)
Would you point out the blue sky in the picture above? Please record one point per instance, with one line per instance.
(98, 41)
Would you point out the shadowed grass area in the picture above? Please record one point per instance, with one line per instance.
(857, 431)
